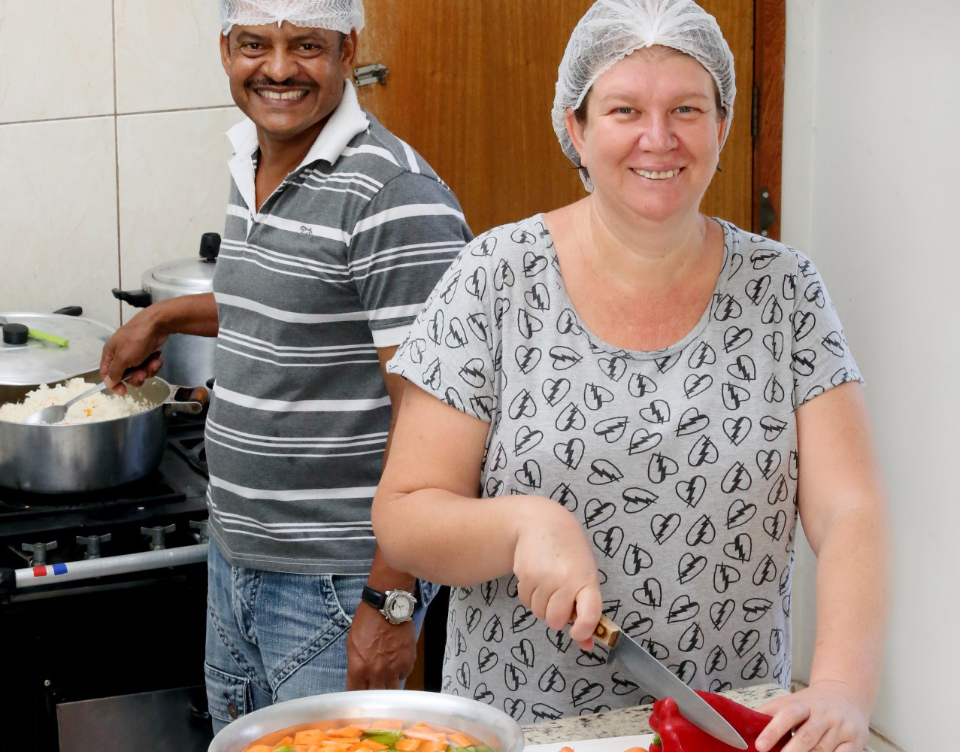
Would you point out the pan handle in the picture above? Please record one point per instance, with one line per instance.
(185, 399)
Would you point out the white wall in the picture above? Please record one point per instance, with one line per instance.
(872, 192)
(112, 153)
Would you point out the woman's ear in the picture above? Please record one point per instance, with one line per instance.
(575, 128)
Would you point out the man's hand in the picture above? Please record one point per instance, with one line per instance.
(827, 716)
(380, 655)
(131, 345)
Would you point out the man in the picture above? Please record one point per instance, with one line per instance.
(336, 232)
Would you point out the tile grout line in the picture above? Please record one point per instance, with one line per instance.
(115, 114)
(116, 153)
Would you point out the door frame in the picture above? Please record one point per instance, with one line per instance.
(769, 56)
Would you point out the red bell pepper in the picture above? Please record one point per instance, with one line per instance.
(677, 734)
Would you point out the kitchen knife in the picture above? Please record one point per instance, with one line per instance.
(661, 682)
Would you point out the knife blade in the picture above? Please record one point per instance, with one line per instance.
(661, 682)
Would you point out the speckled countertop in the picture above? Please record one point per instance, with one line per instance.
(628, 721)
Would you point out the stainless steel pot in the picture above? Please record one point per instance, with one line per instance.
(187, 359)
(91, 456)
(493, 727)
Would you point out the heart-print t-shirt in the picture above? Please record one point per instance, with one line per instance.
(681, 464)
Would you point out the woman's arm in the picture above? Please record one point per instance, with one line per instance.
(843, 510)
(430, 521)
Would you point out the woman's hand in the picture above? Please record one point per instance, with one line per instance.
(827, 716)
(556, 570)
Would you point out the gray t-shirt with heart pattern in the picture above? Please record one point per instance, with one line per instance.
(680, 464)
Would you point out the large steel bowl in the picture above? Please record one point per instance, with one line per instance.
(488, 724)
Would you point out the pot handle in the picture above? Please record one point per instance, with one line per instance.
(186, 399)
(136, 298)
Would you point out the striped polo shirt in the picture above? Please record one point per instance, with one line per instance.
(337, 263)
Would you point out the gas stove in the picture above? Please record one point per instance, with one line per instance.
(103, 594)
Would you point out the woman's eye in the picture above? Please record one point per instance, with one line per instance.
(624, 110)
(686, 110)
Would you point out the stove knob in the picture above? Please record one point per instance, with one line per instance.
(38, 551)
(158, 535)
(92, 542)
(201, 525)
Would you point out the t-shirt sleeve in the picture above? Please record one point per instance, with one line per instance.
(453, 349)
(400, 246)
(821, 357)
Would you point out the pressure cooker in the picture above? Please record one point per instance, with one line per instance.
(187, 359)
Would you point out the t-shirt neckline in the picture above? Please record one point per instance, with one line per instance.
(599, 344)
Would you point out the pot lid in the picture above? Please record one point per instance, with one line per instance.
(192, 274)
(41, 362)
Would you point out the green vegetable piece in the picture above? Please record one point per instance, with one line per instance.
(656, 741)
(383, 737)
(481, 748)
(284, 748)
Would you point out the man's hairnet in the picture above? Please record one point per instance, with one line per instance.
(337, 15)
(612, 29)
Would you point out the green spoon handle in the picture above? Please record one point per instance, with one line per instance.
(53, 338)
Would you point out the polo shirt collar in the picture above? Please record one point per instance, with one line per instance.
(345, 123)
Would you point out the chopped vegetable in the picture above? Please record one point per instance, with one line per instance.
(679, 735)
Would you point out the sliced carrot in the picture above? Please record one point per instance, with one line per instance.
(309, 736)
(407, 744)
(285, 742)
(461, 740)
(259, 748)
(432, 746)
(372, 745)
(566, 749)
(422, 731)
(637, 749)
(385, 724)
(347, 732)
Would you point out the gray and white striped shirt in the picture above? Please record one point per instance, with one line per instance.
(337, 262)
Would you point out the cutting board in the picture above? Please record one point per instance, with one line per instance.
(614, 744)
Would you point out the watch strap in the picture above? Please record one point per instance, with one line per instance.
(373, 597)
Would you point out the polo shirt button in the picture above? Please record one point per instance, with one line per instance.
(232, 709)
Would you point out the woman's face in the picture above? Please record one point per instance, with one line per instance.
(652, 133)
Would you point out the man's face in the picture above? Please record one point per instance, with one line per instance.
(287, 79)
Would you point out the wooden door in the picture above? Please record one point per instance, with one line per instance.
(471, 85)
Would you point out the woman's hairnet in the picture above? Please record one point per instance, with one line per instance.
(337, 15)
(612, 29)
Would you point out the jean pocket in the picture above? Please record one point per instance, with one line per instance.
(228, 695)
(342, 596)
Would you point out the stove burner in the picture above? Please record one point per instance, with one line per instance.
(185, 436)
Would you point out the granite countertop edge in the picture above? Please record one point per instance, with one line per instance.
(628, 721)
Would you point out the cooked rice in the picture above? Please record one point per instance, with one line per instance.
(100, 406)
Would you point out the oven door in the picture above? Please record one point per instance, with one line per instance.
(165, 721)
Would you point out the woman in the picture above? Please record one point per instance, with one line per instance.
(605, 410)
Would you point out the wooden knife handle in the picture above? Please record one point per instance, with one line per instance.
(606, 633)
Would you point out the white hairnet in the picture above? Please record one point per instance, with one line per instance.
(612, 29)
(337, 15)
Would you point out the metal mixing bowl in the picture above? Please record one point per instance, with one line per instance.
(488, 724)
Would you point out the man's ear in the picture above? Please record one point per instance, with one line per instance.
(225, 52)
(349, 54)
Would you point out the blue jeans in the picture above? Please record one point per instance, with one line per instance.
(274, 636)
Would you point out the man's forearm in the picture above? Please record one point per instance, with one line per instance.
(186, 314)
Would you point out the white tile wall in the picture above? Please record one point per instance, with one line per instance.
(174, 185)
(56, 59)
(58, 188)
(112, 147)
(168, 56)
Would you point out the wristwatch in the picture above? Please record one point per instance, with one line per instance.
(395, 605)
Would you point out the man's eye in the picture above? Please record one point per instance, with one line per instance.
(251, 46)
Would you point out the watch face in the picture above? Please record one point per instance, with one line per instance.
(399, 607)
